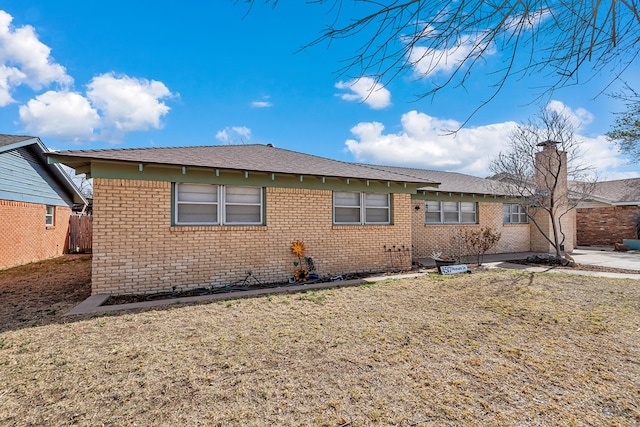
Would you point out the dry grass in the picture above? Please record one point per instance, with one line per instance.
(41, 292)
(492, 348)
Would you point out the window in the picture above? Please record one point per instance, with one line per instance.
(451, 212)
(206, 204)
(49, 216)
(514, 214)
(348, 208)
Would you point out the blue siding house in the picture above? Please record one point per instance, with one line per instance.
(36, 201)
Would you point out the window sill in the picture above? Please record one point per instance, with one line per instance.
(351, 226)
(50, 227)
(215, 228)
(428, 224)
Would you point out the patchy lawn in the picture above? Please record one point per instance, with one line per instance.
(491, 348)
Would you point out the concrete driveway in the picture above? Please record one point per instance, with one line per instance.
(607, 258)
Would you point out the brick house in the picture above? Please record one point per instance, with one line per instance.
(612, 214)
(36, 201)
(462, 202)
(197, 216)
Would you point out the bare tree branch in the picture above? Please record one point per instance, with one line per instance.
(553, 183)
(444, 41)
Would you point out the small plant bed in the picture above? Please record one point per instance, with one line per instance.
(238, 287)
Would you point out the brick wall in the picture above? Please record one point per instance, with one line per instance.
(607, 225)
(26, 238)
(136, 250)
(568, 223)
(514, 237)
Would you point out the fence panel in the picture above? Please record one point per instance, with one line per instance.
(80, 233)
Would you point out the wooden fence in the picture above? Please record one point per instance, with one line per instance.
(80, 233)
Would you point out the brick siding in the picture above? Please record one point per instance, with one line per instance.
(136, 250)
(25, 236)
(540, 244)
(607, 225)
(429, 237)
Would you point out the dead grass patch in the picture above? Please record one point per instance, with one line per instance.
(41, 292)
(491, 348)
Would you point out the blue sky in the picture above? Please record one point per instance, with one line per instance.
(86, 75)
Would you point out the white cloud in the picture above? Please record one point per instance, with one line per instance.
(579, 118)
(366, 90)
(65, 115)
(424, 142)
(263, 103)
(112, 107)
(25, 60)
(234, 135)
(427, 61)
(529, 21)
(10, 77)
(127, 103)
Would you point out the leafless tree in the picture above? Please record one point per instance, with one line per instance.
(567, 41)
(626, 129)
(549, 186)
(84, 185)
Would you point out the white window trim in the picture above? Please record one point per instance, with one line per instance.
(441, 213)
(52, 216)
(511, 213)
(363, 209)
(220, 206)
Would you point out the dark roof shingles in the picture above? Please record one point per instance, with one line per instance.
(252, 157)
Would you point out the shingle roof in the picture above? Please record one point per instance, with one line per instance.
(250, 157)
(452, 182)
(619, 191)
(13, 139)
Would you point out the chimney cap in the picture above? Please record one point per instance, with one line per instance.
(547, 143)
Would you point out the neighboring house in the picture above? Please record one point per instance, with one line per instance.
(36, 201)
(199, 216)
(612, 214)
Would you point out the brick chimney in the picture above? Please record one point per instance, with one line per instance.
(551, 181)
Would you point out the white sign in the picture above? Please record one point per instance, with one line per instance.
(452, 269)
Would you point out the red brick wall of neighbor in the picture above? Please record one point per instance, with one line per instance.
(26, 238)
(607, 225)
(136, 250)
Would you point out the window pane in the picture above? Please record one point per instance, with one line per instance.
(451, 217)
(242, 214)
(249, 195)
(506, 214)
(468, 217)
(450, 206)
(432, 217)
(347, 215)
(381, 200)
(48, 219)
(467, 206)
(197, 193)
(198, 213)
(347, 199)
(433, 206)
(380, 216)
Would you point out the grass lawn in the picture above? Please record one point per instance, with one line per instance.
(491, 348)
